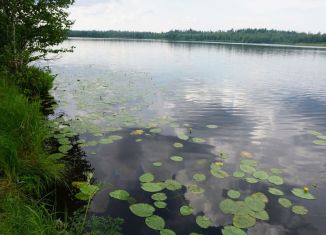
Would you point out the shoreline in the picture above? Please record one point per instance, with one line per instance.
(294, 46)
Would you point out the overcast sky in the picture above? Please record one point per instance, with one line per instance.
(164, 15)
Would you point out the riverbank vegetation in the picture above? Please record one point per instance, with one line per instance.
(31, 167)
(237, 36)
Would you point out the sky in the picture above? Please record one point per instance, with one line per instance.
(165, 15)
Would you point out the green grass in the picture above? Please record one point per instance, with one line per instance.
(23, 131)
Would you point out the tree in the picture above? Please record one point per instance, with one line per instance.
(31, 29)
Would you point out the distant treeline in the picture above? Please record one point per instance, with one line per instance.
(242, 36)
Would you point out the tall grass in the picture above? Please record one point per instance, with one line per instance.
(23, 131)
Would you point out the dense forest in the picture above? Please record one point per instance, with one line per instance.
(241, 36)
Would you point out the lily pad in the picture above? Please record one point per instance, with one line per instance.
(275, 179)
(260, 196)
(142, 209)
(219, 173)
(203, 221)
(320, 142)
(146, 178)
(176, 158)
(157, 164)
(249, 162)
(167, 232)
(172, 185)
(155, 222)
(243, 221)
(228, 206)
(120, 195)
(254, 204)
(198, 140)
(299, 192)
(262, 175)
(186, 210)
(233, 194)
(300, 210)
(89, 189)
(153, 187)
(65, 148)
(231, 230)
(211, 126)
(138, 140)
(195, 189)
(199, 177)
(238, 174)
(160, 204)
(285, 202)
(155, 130)
(137, 132)
(275, 191)
(247, 168)
(182, 136)
(159, 197)
(262, 215)
(178, 145)
(251, 180)
(276, 171)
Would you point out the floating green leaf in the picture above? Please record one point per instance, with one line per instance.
(142, 209)
(176, 158)
(106, 141)
(251, 180)
(254, 204)
(167, 232)
(120, 194)
(247, 168)
(238, 174)
(241, 208)
(157, 164)
(155, 222)
(138, 140)
(198, 140)
(172, 185)
(262, 215)
(260, 196)
(249, 162)
(203, 221)
(178, 145)
(183, 136)
(195, 189)
(262, 175)
(199, 177)
(186, 210)
(275, 179)
(233, 194)
(299, 192)
(83, 197)
(146, 178)
(300, 210)
(275, 191)
(160, 204)
(159, 197)
(219, 173)
(212, 126)
(153, 187)
(231, 230)
(115, 137)
(320, 142)
(65, 148)
(56, 156)
(89, 189)
(243, 221)
(285, 202)
(228, 206)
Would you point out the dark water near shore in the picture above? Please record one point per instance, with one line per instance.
(265, 100)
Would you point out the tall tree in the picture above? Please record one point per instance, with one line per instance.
(30, 29)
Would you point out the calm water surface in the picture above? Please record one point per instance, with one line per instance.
(264, 100)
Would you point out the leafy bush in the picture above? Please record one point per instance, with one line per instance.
(34, 81)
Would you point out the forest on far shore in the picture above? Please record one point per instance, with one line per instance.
(237, 36)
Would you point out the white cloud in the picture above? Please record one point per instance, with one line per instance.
(163, 15)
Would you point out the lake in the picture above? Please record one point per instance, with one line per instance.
(216, 110)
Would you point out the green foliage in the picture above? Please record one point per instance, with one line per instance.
(28, 37)
(19, 216)
(241, 35)
(23, 133)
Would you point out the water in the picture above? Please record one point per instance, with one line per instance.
(265, 100)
